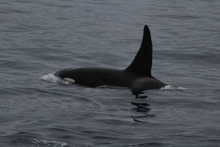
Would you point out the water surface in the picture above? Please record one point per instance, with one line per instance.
(40, 37)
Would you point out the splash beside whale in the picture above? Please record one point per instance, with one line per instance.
(136, 76)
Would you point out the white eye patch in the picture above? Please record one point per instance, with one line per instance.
(69, 80)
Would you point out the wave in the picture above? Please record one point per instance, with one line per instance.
(170, 87)
(51, 77)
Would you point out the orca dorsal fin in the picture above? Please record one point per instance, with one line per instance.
(142, 63)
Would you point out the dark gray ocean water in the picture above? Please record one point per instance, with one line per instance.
(40, 37)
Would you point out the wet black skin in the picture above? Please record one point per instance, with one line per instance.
(136, 75)
(93, 77)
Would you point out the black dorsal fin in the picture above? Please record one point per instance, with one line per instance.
(142, 62)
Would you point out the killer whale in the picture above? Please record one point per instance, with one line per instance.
(136, 76)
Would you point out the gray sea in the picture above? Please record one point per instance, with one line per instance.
(40, 37)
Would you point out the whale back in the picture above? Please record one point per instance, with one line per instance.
(142, 63)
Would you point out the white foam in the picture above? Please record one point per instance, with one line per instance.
(182, 88)
(49, 142)
(167, 87)
(54, 79)
(170, 87)
(50, 78)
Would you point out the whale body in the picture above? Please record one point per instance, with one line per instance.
(136, 76)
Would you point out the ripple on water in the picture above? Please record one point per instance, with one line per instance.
(31, 139)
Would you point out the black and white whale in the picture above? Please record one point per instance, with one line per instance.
(136, 76)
